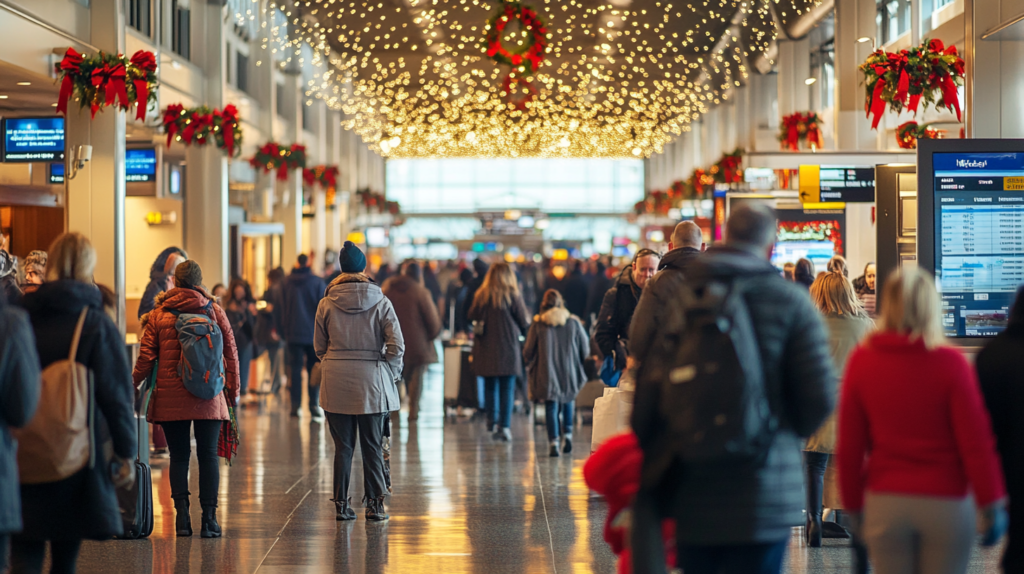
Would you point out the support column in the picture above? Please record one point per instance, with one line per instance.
(794, 65)
(289, 212)
(95, 198)
(855, 19)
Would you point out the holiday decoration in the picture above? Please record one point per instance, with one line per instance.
(702, 183)
(823, 230)
(656, 202)
(727, 170)
(378, 203)
(199, 125)
(528, 57)
(514, 88)
(326, 176)
(798, 127)
(909, 132)
(901, 80)
(104, 80)
(273, 157)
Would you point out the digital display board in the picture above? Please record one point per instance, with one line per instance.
(815, 234)
(33, 139)
(978, 239)
(140, 165)
(55, 174)
(847, 184)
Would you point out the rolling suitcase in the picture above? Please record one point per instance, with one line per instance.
(136, 500)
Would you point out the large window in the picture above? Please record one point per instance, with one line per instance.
(548, 185)
(138, 13)
(242, 71)
(892, 18)
(181, 23)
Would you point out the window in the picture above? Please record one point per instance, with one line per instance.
(281, 107)
(242, 71)
(181, 19)
(307, 118)
(137, 12)
(892, 18)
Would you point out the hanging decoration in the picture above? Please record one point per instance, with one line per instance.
(201, 124)
(102, 80)
(656, 202)
(821, 230)
(525, 59)
(274, 157)
(797, 127)
(702, 183)
(326, 176)
(728, 169)
(901, 80)
(374, 202)
(518, 91)
(909, 132)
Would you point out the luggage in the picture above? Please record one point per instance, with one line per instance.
(202, 354)
(136, 499)
(452, 372)
(471, 393)
(611, 415)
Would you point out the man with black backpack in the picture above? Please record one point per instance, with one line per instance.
(734, 372)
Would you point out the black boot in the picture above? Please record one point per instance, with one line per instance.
(210, 527)
(375, 511)
(815, 485)
(813, 530)
(344, 508)
(182, 521)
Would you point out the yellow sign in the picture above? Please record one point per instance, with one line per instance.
(810, 184)
(356, 237)
(1013, 183)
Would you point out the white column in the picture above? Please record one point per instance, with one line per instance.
(855, 19)
(794, 65)
(289, 212)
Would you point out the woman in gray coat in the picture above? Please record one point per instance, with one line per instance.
(360, 346)
(556, 347)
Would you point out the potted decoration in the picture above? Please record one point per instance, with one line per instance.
(801, 127)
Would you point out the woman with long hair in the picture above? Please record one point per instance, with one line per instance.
(847, 324)
(500, 319)
(803, 273)
(915, 440)
(240, 307)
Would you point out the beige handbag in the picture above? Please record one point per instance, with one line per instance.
(57, 442)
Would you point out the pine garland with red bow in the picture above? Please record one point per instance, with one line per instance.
(797, 127)
(909, 132)
(200, 125)
(901, 80)
(728, 169)
(326, 176)
(273, 157)
(98, 81)
(377, 202)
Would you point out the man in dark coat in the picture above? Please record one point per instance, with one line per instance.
(574, 290)
(420, 325)
(159, 274)
(300, 297)
(595, 293)
(737, 518)
(620, 303)
(480, 271)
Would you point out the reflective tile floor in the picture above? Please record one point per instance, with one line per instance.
(461, 504)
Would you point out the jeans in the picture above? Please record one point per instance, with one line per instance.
(300, 356)
(732, 559)
(414, 388)
(244, 362)
(499, 389)
(556, 413)
(370, 429)
(27, 556)
(815, 464)
(275, 353)
(179, 442)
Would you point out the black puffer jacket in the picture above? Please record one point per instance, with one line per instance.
(759, 503)
(19, 396)
(616, 314)
(657, 294)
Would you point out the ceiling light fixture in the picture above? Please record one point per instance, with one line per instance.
(24, 83)
(3, 97)
(810, 81)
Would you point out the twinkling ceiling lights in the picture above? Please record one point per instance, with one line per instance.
(620, 78)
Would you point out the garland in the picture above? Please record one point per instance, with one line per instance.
(104, 80)
(909, 132)
(530, 56)
(813, 231)
(929, 72)
(728, 170)
(797, 127)
(377, 202)
(702, 183)
(326, 176)
(657, 202)
(199, 125)
(272, 157)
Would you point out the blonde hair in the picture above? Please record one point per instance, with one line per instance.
(838, 264)
(833, 293)
(71, 256)
(911, 306)
(499, 288)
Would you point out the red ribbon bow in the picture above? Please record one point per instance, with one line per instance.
(69, 66)
(115, 87)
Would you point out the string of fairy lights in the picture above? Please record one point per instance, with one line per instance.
(619, 78)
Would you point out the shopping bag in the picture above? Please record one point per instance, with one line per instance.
(611, 415)
(609, 375)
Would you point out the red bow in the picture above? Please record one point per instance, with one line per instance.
(69, 66)
(228, 124)
(877, 104)
(115, 87)
(949, 94)
(146, 62)
(171, 115)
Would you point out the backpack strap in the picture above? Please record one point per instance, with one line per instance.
(77, 337)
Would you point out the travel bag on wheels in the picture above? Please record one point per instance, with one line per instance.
(136, 499)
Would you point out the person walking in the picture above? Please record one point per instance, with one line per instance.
(556, 346)
(240, 308)
(803, 273)
(301, 295)
(359, 342)
(269, 326)
(736, 497)
(500, 320)
(616, 315)
(83, 505)
(174, 407)
(915, 440)
(1002, 385)
(574, 290)
(847, 324)
(161, 277)
(595, 294)
(19, 396)
(417, 315)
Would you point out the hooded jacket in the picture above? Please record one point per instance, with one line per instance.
(556, 346)
(171, 400)
(19, 397)
(616, 315)
(418, 317)
(157, 279)
(300, 297)
(360, 346)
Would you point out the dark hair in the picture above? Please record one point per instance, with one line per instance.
(239, 282)
(413, 271)
(645, 253)
(465, 276)
(751, 225)
(188, 275)
(552, 299)
(276, 274)
(303, 260)
(1017, 309)
(804, 268)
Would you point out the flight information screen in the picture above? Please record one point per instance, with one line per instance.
(979, 248)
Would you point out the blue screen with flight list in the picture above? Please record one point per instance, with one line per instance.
(33, 139)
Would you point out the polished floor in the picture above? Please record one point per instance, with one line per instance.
(461, 504)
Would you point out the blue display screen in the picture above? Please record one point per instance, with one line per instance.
(140, 165)
(33, 139)
(56, 174)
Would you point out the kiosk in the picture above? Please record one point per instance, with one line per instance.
(896, 224)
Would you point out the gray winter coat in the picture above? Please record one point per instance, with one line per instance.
(758, 502)
(360, 346)
(19, 396)
(555, 349)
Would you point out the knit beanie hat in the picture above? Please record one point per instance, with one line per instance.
(188, 275)
(351, 259)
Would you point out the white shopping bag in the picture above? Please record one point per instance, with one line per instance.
(611, 415)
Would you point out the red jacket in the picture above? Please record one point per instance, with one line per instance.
(912, 421)
(171, 401)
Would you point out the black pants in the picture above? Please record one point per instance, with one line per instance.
(179, 443)
(27, 556)
(735, 559)
(815, 463)
(370, 429)
(244, 361)
(300, 356)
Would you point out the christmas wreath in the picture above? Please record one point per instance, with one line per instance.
(909, 132)
(797, 127)
(514, 95)
(104, 80)
(273, 157)
(929, 72)
(200, 125)
(529, 56)
(727, 170)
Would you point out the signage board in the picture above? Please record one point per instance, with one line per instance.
(140, 165)
(847, 184)
(39, 139)
(55, 173)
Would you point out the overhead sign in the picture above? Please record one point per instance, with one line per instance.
(33, 139)
(140, 165)
(55, 174)
(810, 191)
(847, 184)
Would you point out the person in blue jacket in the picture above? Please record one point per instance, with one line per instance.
(301, 295)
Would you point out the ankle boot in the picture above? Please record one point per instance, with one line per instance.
(344, 509)
(182, 520)
(813, 530)
(375, 511)
(210, 527)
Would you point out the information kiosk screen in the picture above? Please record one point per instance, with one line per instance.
(33, 139)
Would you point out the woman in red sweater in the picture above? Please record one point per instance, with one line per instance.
(915, 440)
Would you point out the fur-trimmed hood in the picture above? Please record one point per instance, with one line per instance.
(555, 317)
(353, 293)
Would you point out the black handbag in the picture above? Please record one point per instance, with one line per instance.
(479, 328)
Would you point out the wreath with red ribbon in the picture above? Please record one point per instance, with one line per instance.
(909, 132)
(200, 125)
(797, 127)
(273, 157)
(104, 80)
(529, 57)
(930, 72)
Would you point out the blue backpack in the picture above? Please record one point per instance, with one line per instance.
(202, 354)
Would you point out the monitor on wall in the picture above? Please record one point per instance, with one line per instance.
(970, 231)
(37, 139)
